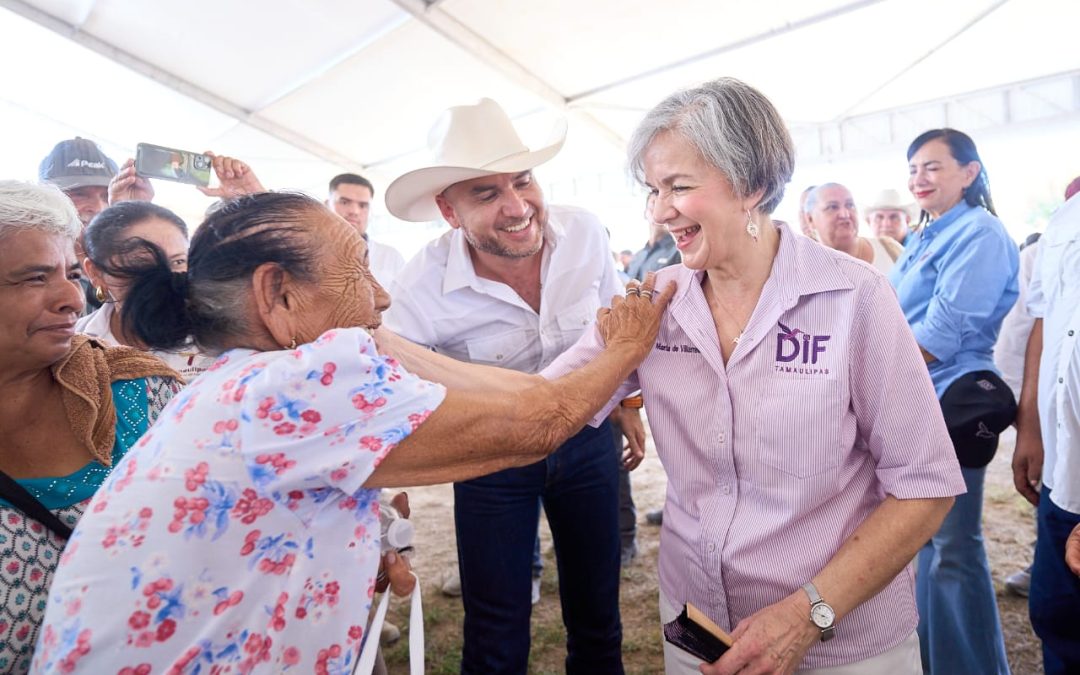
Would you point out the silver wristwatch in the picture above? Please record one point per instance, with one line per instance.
(821, 613)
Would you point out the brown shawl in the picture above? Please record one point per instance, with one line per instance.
(85, 375)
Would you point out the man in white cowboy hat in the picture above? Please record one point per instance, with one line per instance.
(514, 283)
(889, 216)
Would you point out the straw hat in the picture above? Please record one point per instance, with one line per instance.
(890, 200)
(466, 142)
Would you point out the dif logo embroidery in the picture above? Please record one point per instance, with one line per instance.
(799, 352)
(792, 342)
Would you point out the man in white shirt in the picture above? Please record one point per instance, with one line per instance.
(1048, 436)
(350, 197)
(514, 283)
(1009, 354)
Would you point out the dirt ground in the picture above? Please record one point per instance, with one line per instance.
(1008, 526)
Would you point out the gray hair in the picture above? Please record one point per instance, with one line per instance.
(44, 208)
(734, 127)
(815, 194)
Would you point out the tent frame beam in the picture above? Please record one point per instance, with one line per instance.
(180, 85)
(472, 43)
(941, 45)
(730, 47)
(1037, 102)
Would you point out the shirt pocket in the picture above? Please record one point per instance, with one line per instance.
(498, 350)
(1063, 256)
(797, 426)
(574, 320)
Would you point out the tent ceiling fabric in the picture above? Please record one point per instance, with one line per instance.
(368, 78)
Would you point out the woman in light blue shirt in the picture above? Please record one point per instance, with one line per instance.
(956, 281)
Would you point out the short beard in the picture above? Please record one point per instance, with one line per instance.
(492, 246)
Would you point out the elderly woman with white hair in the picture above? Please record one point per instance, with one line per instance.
(69, 407)
(798, 492)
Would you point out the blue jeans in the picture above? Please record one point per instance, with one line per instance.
(959, 627)
(496, 520)
(537, 559)
(1054, 599)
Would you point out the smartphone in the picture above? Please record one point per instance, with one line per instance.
(182, 166)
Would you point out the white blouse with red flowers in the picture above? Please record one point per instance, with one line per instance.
(237, 535)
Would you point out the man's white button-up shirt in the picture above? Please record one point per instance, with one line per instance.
(1054, 297)
(440, 302)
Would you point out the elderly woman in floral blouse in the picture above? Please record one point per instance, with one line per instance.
(243, 530)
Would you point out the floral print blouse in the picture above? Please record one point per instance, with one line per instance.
(237, 535)
(29, 552)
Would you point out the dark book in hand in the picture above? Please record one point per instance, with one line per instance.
(695, 633)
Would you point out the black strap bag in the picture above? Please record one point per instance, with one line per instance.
(18, 497)
(977, 407)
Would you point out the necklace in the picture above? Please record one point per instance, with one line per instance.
(714, 301)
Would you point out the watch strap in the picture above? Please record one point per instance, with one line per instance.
(829, 632)
(811, 591)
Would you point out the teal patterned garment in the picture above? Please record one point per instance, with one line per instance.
(29, 552)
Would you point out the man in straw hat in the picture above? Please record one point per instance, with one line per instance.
(513, 284)
(889, 216)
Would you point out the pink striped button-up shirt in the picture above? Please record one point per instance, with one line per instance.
(773, 460)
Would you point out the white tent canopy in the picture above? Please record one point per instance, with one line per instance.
(303, 90)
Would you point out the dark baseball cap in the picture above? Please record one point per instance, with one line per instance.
(77, 163)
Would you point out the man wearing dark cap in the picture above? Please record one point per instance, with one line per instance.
(82, 171)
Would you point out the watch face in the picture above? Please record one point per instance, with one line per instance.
(822, 615)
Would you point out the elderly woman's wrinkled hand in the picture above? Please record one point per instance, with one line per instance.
(635, 319)
(773, 640)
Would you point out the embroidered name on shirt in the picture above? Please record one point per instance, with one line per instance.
(686, 349)
(801, 350)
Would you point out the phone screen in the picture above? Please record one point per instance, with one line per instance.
(182, 166)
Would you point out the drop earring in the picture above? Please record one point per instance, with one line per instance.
(751, 227)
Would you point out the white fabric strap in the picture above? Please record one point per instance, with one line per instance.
(366, 663)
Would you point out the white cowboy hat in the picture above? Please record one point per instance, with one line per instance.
(467, 141)
(890, 200)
